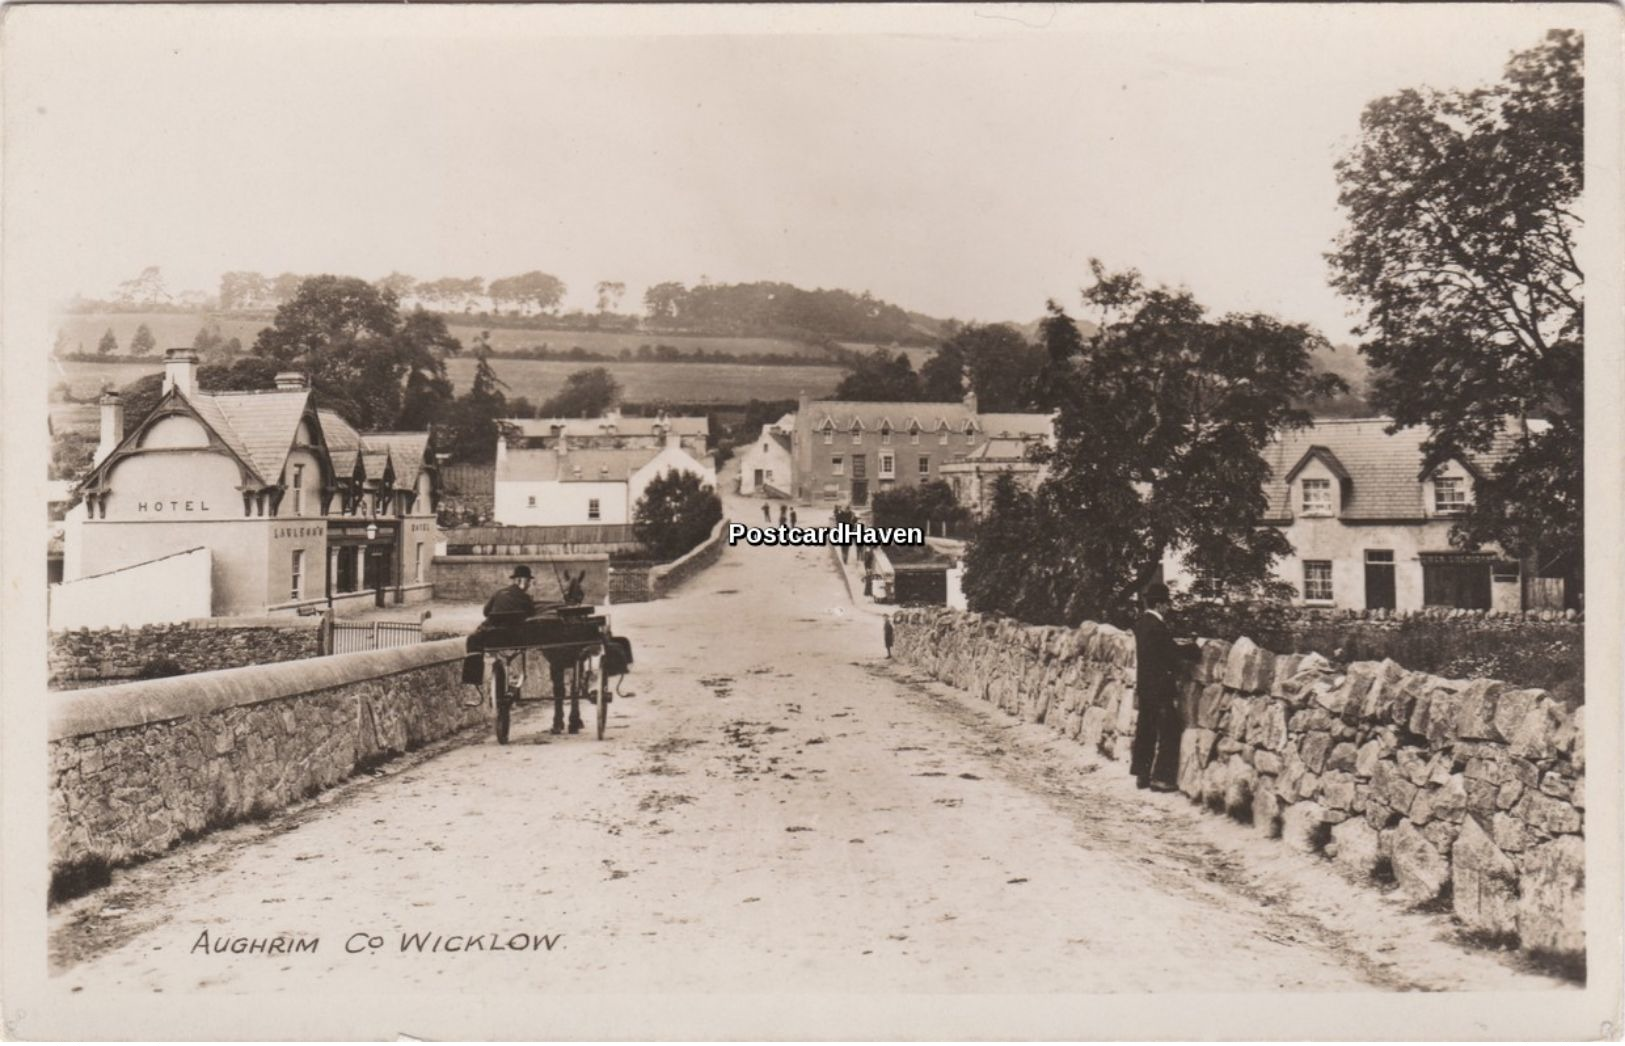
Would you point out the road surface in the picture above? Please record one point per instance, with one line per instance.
(777, 808)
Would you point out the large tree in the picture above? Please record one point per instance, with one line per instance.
(995, 359)
(143, 342)
(468, 431)
(880, 376)
(1163, 417)
(1462, 214)
(364, 360)
(676, 512)
(586, 394)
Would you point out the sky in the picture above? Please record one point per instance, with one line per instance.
(965, 162)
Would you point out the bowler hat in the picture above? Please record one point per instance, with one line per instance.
(520, 571)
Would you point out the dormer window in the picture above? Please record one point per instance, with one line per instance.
(1449, 495)
(914, 434)
(1317, 497)
(857, 434)
(885, 435)
(829, 434)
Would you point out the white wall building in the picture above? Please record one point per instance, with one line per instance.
(561, 486)
(767, 462)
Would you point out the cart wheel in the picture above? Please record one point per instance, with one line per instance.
(504, 702)
(603, 701)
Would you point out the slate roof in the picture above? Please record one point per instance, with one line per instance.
(343, 441)
(624, 426)
(259, 426)
(871, 415)
(1382, 470)
(406, 449)
(597, 466)
(1000, 448)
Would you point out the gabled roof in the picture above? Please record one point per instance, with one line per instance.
(1382, 471)
(263, 423)
(1316, 452)
(406, 450)
(343, 441)
(844, 414)
(1001, 448)
(596, 466)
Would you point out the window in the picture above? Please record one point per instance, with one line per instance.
(832, 492)
(857, 435)
(769, 476)
(593, 509)
(296, 590)
(530, 502)
(1317, 497)
(914, 435)
(419, 561)
(885, 436)
(299, 490)
(1317, 580)
(837, 466)
(1379, 555)
(925, 466)
(888, 466)
(1449, 495)
(829, 436)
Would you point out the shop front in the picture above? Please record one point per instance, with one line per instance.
(362, 563)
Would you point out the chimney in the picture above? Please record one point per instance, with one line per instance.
(801, 404)
(671, 436)
(970, 400)
(180, 371)
(291, 381)
(613, 416)
(502, 448)
(112, 425)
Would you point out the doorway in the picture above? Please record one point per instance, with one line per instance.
(1379, 579)
(759, 479)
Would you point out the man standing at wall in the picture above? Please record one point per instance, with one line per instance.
(1157, 659)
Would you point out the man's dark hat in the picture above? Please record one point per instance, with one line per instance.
(519, 572)
(1157, 593)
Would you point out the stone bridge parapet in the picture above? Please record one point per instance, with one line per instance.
(138, 767)
(1469, 794)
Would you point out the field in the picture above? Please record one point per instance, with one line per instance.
(171, 330)
(538, 379)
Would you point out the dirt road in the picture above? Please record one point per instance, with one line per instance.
(777, 809)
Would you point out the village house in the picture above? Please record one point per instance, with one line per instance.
(973, 478)
(846, 451)
(612, 431)
(765, 467)
(563, 485)
(1370, 531)
(290, 507)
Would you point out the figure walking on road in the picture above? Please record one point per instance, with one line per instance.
(783, 509)
(1157, 657)
(792, 518)
(767, 513)
(890, 635)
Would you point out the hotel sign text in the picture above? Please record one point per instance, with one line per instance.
(173, 506)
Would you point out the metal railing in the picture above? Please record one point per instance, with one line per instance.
(475, 541)
(350, 637)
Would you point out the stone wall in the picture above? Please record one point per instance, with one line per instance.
(667, 576)
(83, 657)
(1462, 793)
(472, 579)
(629, 581)
(139, 767)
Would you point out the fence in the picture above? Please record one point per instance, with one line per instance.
(353, 637)
(489, 541)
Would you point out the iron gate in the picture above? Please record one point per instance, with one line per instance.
(374, 635)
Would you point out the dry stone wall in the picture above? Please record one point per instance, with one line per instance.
(1466, 793)
(82, 657)
(137, 767)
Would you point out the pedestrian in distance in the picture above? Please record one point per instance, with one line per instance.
(1158, 659)
(767, 513)
(783, 509)
(890, 635)
(792, 518)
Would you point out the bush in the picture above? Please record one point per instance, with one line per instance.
(160, 668)
(1548, 655)
(676, 512)
(928, 506)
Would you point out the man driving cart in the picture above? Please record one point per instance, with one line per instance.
(513, 605)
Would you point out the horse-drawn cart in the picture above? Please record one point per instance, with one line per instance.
(569, 638)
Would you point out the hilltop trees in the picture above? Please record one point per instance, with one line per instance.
(1461, 250)
(540, 290)
(1163, 417)
(108, 345)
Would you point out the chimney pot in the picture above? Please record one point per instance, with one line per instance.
(112, 430)
(180, 371)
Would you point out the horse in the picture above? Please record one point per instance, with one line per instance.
(560, 662)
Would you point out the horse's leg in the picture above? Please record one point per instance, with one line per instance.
(557, 677)
(578, 678)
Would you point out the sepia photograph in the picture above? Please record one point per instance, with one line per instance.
(896, 522)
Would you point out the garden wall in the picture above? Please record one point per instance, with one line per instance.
(138, 767)
(95, 656)
(667, 576)
(1465, 793)
(474, 579)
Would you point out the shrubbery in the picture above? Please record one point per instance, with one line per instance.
(929, 506)
(676, 512)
